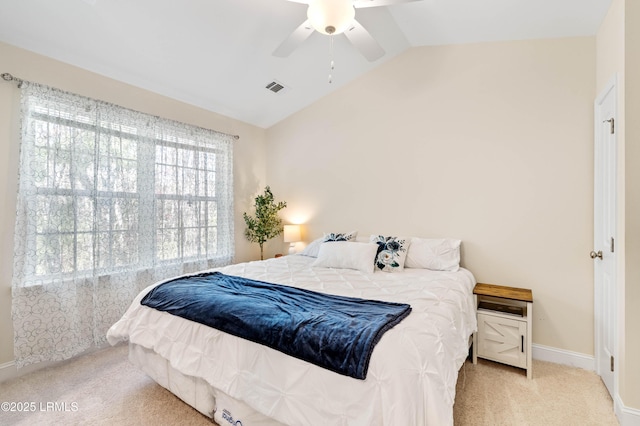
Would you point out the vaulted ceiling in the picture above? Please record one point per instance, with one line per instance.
(217, 54)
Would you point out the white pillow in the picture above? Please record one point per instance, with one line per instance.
(437, 254)
(392, 252)
(347, 255)
(313, 247)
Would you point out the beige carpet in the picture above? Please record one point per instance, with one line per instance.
(103, 388)
(490, 393)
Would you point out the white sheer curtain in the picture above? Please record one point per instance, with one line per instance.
(109, 201)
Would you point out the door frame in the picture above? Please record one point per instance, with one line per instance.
(611, 88)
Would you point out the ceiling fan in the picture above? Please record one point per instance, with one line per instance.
(333, 17)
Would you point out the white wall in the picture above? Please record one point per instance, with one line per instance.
(491, 143)
(249, 150)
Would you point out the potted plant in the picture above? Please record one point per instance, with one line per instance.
(266, 223)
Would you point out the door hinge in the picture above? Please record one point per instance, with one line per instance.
(612, 123)
(613, 245)
(611, 363)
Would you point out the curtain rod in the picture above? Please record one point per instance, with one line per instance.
(8, 77)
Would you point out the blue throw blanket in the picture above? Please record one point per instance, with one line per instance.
(334, 332)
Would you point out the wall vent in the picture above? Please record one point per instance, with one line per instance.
(276, 87)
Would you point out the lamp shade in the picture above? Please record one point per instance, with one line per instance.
(331, 16)
(292, 233)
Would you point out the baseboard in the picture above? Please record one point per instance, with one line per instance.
(564, 357)
(626, 416)
(6, 370)
(9, 371)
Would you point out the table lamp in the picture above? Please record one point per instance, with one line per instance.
(292, 236)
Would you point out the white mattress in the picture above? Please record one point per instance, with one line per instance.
(412, 373)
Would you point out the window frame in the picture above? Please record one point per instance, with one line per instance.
(223, 251)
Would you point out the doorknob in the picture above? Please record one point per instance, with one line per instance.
(597, 254)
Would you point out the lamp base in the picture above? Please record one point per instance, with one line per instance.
(292, 248)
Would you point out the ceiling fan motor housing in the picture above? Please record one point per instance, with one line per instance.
(331, 16)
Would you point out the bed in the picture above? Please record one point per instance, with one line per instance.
(412, 373)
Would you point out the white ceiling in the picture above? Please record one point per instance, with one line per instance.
(216, 54)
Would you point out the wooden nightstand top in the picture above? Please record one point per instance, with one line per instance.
(514, 293)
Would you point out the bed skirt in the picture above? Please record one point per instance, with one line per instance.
(196, 392)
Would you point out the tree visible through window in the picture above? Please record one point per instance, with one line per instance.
(100, 187)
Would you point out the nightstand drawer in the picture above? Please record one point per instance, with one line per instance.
(502, 338)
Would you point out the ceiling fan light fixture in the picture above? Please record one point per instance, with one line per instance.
(331, 16)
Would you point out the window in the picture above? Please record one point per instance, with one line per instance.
(109, 201)
(111, 189)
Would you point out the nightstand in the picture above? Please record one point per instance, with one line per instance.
(504, 325)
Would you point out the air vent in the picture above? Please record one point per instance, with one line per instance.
(276, 87)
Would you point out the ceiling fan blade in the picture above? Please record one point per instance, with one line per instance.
(364, 42)
(359, 4)
(296, 38)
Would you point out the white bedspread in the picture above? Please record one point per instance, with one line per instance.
(412, 373)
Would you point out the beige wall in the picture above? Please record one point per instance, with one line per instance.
(491, 143)
(630, 391)
(610, 50)
(249, 150)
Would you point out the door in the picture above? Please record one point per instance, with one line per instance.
(605, 252)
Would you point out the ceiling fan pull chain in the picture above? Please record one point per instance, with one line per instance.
(331, 63)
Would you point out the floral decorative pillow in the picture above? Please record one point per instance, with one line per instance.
(348, 236)
(392, 252)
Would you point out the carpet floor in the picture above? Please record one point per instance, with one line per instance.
(103, 388)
